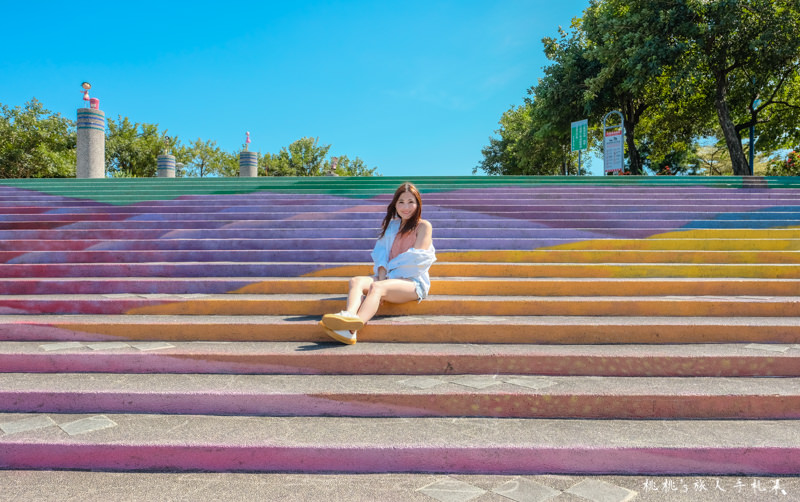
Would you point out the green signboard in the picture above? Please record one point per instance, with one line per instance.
(580, 135)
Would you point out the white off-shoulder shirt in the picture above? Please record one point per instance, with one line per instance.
(412, 264)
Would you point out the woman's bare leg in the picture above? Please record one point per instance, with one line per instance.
(390, 290)
(359, 286)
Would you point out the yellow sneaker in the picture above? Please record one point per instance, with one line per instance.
(342, 321)
(344, 336)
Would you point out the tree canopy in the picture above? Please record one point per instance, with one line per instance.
(306, 157)
(682, 73)
(36, 143)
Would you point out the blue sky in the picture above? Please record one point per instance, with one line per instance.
(413, 87)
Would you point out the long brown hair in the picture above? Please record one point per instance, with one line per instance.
(391, 210)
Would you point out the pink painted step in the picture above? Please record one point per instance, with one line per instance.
(309, 358)
(444, 445)
(504, 396)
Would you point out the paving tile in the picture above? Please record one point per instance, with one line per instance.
(61, 346)
(451, 490)
(524, 490)
(86, 425)
(768, 347)
(422, 382)
(531, 382)
(143, 346)
(27, 424)
(600, 491)
(476, 381)
(108, 345)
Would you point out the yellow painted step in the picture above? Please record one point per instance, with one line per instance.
(429, 329)
(549, 287)
(685, 244)
(317, 305)
(624, 256)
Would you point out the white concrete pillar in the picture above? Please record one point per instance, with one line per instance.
(166, 166)
(248, 164)
(91, 143)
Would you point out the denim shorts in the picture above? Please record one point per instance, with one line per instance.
(421, 294)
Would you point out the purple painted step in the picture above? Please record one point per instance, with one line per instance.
(359, 243)
(32, 213)
(433, 212)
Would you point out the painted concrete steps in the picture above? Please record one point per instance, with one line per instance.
(27, 202)
(318, 305)
(445, 285)
(499, 396)
(23, 209)
(623, 245)
(421, 359)
(585, 217)
(91, 201)
(691, 211)
(653, 225)
(299, 229)
(343, 254)
(579, 330)
(439, 269)
(121, 442)
(385, 183)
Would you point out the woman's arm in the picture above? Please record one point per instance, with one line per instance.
(424, 235)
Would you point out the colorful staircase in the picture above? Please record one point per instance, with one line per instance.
(575, 325)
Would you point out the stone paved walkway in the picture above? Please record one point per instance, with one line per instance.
(69, 486)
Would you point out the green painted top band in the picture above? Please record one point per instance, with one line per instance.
(132, 190)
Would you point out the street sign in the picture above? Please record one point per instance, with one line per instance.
(612, 152)
(580, 135)
(613, 146)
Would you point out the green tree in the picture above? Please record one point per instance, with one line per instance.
(306, 157)
(750, 49)
(509, 154)
(132, 148)
(36, 143)
(205, 158)
(534, 138)
(303, 157)
(347, 167)
(634, 43)
(787, 166)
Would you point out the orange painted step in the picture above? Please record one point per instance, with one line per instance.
(416, 329)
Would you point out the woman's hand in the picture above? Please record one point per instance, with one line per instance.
(381, 274)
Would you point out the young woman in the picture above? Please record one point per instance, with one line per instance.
(402, 256)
